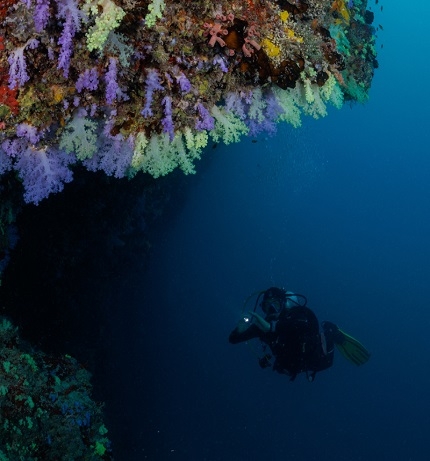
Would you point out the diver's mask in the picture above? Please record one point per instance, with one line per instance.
(271, 306)
(273, 301)
(277, 299)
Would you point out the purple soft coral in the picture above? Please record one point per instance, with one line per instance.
(41, 14)
(235, 102)
(18, 69)
(152, 84)
(271, 113)
(24, 130)
(167, 122)
(68, 10)
(89, 80)
(207, 122)
(66, 42)
(5, 161)
(113, 156)
(112, 88)
(42, 171)
(184, 83)
(221, 63)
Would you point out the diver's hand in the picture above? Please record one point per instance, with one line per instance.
(244, 323)
(260, 322)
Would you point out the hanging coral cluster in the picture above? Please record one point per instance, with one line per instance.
(133, 85)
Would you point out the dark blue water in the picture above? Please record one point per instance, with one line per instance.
(337, 210)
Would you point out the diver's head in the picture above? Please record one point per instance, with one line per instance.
(274, 300)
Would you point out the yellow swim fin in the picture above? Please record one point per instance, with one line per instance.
(351, 349)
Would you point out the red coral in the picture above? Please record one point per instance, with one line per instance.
(8, 98)
(4, 6)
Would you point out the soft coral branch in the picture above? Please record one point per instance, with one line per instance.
(42, 171)
(7, 95)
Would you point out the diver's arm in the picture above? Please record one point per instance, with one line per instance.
(262, 324)
(244, 331)
(252, 326)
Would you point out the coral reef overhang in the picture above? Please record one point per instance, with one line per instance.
(130, 85)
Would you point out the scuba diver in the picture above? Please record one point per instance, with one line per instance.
(291, 331)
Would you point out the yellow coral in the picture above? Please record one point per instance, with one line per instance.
(58, 94)
(284, 15)
(344, 12)
(292, 36)
(270, 48)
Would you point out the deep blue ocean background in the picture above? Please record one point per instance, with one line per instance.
(338, 210)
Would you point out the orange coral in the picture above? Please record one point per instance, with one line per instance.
(340, 7)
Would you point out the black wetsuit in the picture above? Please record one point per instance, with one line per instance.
(294, 340)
